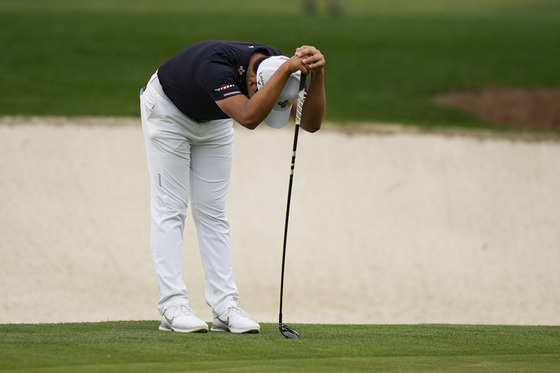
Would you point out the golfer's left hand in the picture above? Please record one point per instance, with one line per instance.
(311, 58)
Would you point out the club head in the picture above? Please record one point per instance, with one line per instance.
(288, 332)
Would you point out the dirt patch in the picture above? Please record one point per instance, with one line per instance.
(539, 108)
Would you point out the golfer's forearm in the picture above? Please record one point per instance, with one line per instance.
(253, 112)
(315, 103)
(257, 108)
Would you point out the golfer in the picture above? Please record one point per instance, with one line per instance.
(187, 109)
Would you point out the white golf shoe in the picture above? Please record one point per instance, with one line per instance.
(180, 318)
(235, 320)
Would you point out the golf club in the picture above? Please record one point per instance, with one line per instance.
(285, 329)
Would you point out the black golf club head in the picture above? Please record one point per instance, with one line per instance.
(288, 332)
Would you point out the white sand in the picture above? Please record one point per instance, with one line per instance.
(385, 228)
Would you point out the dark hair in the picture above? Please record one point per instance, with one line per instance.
(258, 62)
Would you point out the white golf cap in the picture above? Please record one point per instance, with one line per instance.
(280, 113)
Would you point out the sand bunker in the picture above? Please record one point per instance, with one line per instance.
(385, 228)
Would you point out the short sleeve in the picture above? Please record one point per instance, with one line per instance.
(219, 80)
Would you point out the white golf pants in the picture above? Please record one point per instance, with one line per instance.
(188, 161)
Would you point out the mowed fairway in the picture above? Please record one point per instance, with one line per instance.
(139, 347)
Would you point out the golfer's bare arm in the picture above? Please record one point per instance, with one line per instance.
(251, 112)
(314, 104)
(315, 101)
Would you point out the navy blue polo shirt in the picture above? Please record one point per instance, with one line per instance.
(206, 72)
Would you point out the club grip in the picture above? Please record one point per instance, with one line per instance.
(302, 79)
(301, 97)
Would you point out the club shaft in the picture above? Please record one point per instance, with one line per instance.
(287, 219)
(299, 110)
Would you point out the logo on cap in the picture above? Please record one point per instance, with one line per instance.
(284, 103)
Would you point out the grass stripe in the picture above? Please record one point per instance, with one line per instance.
(138, 346)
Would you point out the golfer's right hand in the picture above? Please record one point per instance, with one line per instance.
(306, 59)
(295, 65)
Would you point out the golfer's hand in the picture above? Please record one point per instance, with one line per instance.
(311, 59)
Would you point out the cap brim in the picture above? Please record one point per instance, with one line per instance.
(278, 119)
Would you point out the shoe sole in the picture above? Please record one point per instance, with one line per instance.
(196, 330)
(236, 331)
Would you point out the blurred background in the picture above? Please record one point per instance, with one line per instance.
(386, 59)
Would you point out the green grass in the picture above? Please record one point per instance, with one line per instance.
(137, 346)
(385, 58)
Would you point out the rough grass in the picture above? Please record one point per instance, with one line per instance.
(386, 59)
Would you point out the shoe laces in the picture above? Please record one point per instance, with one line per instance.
(239, 311)
(181, 309)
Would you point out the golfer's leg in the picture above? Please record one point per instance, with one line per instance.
(168, 154)
(210, 176)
